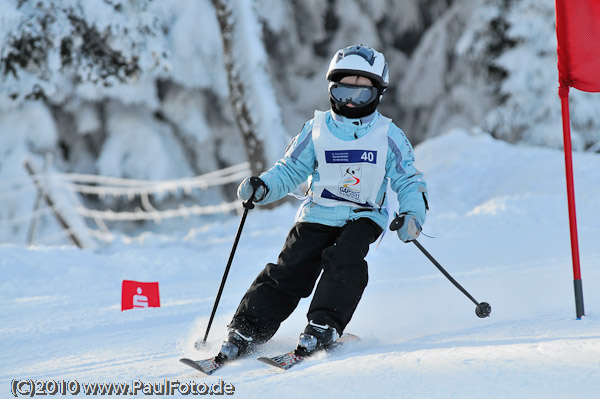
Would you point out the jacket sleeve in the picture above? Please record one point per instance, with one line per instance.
(405, 179)
(293, 169)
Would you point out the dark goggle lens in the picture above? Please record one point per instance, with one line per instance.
(357, 95)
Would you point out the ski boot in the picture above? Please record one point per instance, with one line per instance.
(236, 345)
(316, 337)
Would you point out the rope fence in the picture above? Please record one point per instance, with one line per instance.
(53, 188)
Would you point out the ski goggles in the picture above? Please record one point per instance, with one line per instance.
(350, 94)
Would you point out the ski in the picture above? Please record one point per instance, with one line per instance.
(284, 361)
(287, 360)
(207, 366)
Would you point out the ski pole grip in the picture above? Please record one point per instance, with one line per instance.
(255, 182)
(397, 222)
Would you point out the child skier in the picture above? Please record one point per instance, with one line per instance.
(348, 154)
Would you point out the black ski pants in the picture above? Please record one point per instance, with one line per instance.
(339, 252)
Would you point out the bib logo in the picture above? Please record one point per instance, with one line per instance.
(349, 186)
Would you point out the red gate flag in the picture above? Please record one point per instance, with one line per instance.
(578, 34)
(136, 294)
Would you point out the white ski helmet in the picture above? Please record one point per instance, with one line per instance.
(360, 61)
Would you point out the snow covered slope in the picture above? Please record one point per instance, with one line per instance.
(499, 218)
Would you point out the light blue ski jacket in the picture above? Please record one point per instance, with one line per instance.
(300, 162)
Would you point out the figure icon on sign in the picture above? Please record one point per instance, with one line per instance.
(139, 300)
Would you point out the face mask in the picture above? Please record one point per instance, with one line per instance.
(354, 113)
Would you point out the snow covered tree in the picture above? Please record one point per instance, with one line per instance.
(301, 37)
(138, 88)
(250, 90)
(130, 90)
(515, 41)
(47, 45)
(441, 87)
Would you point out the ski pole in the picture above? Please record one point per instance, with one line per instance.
(483, 309)
(255, 182)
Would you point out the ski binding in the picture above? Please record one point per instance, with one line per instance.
(290, 359)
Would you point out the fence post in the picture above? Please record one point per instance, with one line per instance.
(50, 202)
(36, 207)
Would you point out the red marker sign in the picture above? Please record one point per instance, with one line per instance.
(136, 294)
